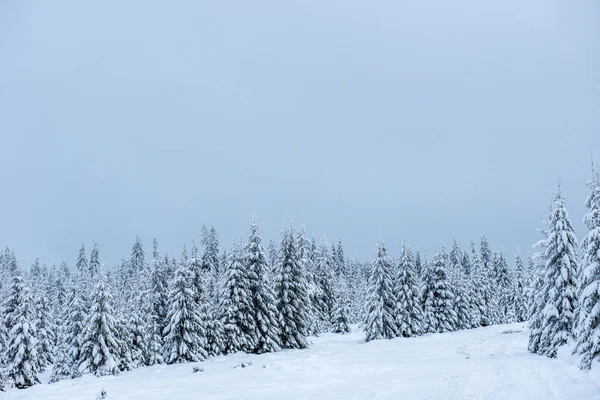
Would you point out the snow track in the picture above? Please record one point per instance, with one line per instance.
(483, 363)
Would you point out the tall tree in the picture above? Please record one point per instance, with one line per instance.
(409, 316)
(100, 352)
(325, 280)
(94, 267)
(559, 280)
(438, 296)
(292, 295)
(588, 311)
(380, 321)
(185, 334)
(21, 354)
(263, 297)
(520, 284)
(238, 306)
(157, 306)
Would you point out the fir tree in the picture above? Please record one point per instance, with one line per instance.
(588, 311)
(380, 322)
(44, 331)
(559, 280)
(520, 304)
(409, 316)
(238, 306)
(341, 311)
(21, 354)
(292, 295)
(185, 334)
(100, 352)
(263, 297)
(438, 296)
(157, 307)
(76, 311)
(94, 266)
(325, 278)
(82, 264)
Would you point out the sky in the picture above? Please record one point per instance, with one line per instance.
(364, 121)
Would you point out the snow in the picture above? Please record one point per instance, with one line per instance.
(484, 363)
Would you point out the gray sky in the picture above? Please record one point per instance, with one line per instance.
(402, 120)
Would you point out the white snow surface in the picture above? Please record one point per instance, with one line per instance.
(486, 363)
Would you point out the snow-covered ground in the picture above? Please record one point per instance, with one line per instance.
(486, 363)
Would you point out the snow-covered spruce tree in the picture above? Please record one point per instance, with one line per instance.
(340, 322)
(238, 307)
(466, 263)
(520, 290)
(156, 309)
(504, 287)
(185, 333)
(408, 313)
(263, 297)
(380, 321)
(137, 260)
(339, 259)
(463, 302)
(21, 354)
(136, 340)
(489, 314)
(94, 265)
(560, 287)
(100, 352)
(438, 296)
(307, 257)
(44, 329)
(292, 295)
(418, 264)
(325, 279)
(76, 312)
(82, 263)
(588, 311)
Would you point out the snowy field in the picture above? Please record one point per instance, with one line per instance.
(486, 363)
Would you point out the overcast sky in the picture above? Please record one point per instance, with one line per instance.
(422, 120)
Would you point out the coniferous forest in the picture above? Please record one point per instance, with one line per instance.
(254, 297)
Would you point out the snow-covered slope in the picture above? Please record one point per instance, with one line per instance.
(486, 363)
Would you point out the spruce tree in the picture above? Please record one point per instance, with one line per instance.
(82, 263)
(263, 297)
(380, 321)
(408, 313)
(520, 290)
(21, 354)
(588, 311)
(559, 280)
(44, 329)
(238, 306)
(292, 295)
(76, 311)
(157, 307)
(100, 350)
(325, 279)
(438, 296)
(94, 265)
(185, 333)
(340, 322)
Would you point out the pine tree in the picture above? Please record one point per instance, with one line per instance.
(504, 286)
(94, 266)
(76, 311)
(21, 354)
(263, 298)
(341, 311)
(559, 280)
(82, 264)
(157, 307)
(238, 319)
(438, 296)
(292, 295)
(588, 311)
(185, 333)
(409, 316)
(100, 351)
(42, 320)
(339, 260)
(325, 279)
(520, 290)
(380, 322)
